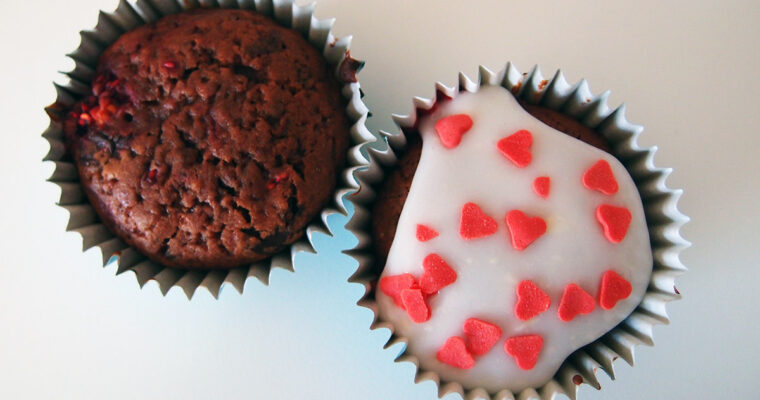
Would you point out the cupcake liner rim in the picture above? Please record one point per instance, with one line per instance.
(82, 217)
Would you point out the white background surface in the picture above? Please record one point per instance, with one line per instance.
(687, 70)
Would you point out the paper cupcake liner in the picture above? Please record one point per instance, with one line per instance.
(660, 204)
(83, 219)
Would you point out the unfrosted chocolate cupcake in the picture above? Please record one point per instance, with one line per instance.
(210, 139)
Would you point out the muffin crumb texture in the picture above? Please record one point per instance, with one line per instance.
(210, 139)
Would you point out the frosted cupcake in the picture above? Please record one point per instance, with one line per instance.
(511, 235)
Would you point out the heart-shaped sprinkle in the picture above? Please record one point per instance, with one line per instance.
(475, 223)
(393, 285)
(614, 221)
(613, 289)
(450, 129)
(525, 350)
(523, 229)
(575, 301)
(516, 147)
(531, 300)
(425, 233)
(541, 186)
(414, 303)
(438, 274)
(481, 336)
(599, 177)
(454, 352)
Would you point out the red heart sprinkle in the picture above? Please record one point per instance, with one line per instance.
(393, 285)
(475, 223)
(425, 233)
(541, 186)
(531, 301)
(614, 220)
(525, 350)
(481, 336)
(415, 305)
(575, 301)
(438, 274)
(454, 353)
(613, 289)
(599, 177)
(524, 230)
(450, 129)
(516, 147)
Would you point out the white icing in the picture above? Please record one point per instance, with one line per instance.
(573, 250)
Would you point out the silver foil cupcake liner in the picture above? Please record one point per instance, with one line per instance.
(660, 204)
(76, 84)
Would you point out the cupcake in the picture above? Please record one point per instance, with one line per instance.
(516, 235)
(210, 139)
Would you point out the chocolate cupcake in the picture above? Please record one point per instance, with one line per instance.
(516, 246)
(211, 138)
(207, 139)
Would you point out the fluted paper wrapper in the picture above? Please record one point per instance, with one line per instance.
(660, 204)
(76, 84)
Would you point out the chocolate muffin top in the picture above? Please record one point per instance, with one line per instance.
(211, 138)
(395, 188)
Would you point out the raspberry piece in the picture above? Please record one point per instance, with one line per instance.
(151, 176)
(276, 179)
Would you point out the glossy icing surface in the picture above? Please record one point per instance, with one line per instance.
(571, 250)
